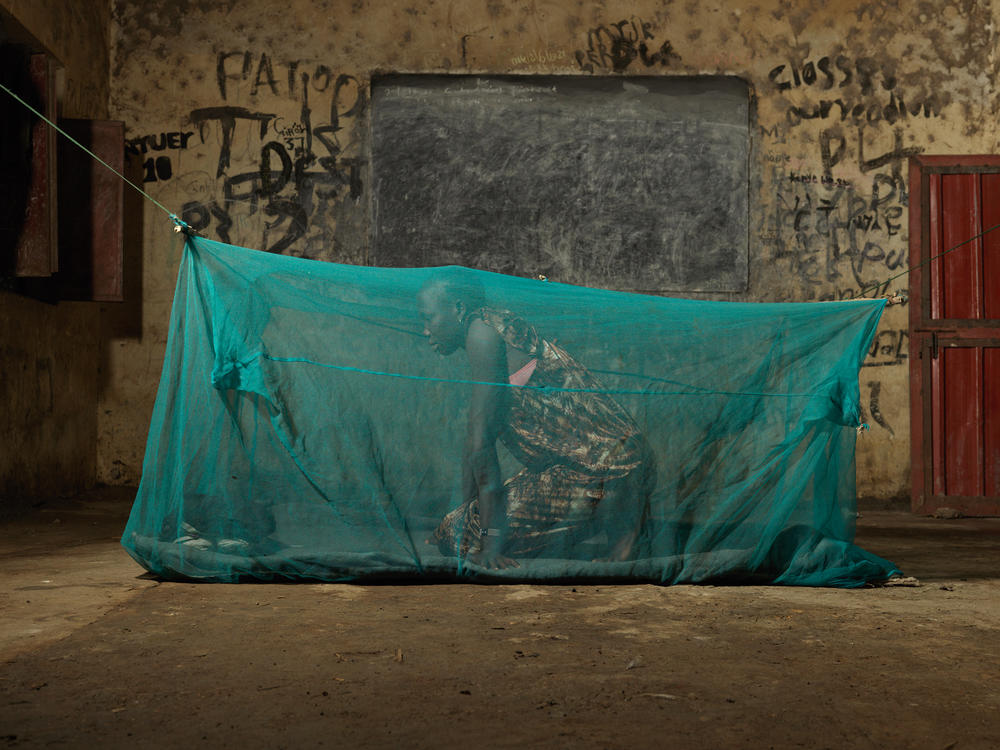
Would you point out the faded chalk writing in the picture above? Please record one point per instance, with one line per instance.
(539, 56)
(819, 180)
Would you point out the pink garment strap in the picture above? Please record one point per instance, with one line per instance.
(522, 376)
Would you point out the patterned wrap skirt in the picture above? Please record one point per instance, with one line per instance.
(580, 451)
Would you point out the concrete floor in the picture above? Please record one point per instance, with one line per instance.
(95, 654)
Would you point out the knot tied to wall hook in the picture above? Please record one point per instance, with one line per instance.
(182, 226)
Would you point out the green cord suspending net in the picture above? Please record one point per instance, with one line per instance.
(340, 423)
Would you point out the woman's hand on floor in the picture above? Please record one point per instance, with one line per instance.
(491, 557)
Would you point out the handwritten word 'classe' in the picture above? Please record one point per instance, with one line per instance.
(827, 72)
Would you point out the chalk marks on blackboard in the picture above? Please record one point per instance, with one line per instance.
(639, 184)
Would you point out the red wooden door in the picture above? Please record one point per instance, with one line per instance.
(955, 334)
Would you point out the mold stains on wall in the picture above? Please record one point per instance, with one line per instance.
(615, 46)
(496, 8)
(961, 32)
(140, 23)
(531, 32)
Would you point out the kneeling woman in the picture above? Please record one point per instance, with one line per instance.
(587, 466)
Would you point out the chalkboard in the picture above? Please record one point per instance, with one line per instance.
(622, 183)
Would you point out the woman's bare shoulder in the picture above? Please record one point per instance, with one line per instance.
(482, 337)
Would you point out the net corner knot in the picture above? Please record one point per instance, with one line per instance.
(182, 226)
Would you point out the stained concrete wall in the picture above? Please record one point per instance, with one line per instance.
(50, 355)
(844, 92)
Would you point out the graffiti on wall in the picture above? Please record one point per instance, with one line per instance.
(539, 56)
(157, 167)
(616, 46)
(837, 241)
(889, 347)
(834, 148)
(287, 174)
(834, 237)
(841, 239)
(872, 93)
(874, 405)
(838, 216)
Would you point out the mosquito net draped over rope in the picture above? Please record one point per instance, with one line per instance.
(322, 421)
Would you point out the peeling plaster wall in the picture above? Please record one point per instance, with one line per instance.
(51, 354)
(223, 99)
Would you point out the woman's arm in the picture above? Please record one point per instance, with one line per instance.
(481, 467)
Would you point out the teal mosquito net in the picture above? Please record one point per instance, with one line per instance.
(333, 422)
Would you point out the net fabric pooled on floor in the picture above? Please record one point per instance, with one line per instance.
(306, 428)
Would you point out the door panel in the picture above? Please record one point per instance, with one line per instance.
(991, 421)
(958, 273)
(955, 333)
(991, 246)
(963, 403)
